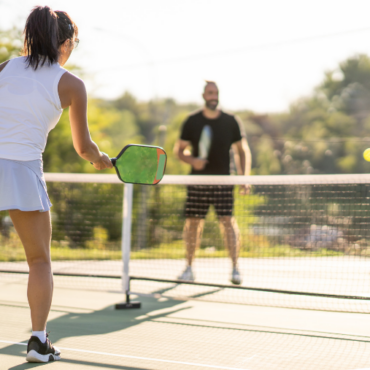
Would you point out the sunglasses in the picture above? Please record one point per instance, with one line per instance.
(75, 43)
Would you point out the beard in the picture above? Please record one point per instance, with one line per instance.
(212, 104)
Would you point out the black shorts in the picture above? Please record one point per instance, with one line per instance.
(200, 197)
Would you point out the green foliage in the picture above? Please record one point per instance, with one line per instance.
(266, 160)
(109, 128)
(11, 44)
(324, 133)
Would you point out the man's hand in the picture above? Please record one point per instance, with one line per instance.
(244, 189)
(198, 163)
(103, 162)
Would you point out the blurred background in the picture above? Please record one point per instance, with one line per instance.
(297, 74)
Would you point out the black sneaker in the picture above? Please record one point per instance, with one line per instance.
(41, 352)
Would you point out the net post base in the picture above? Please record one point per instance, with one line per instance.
(123, 306)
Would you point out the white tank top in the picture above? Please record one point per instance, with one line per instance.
(29, 108)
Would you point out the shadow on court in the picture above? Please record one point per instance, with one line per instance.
(105, 321)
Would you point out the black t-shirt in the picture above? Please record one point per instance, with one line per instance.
(225, 132)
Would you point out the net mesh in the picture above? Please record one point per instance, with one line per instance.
(86, 232)
(304, 240)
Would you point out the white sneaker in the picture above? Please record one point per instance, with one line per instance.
(235, 277)
(187, 275)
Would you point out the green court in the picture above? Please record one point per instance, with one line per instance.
(175, 334)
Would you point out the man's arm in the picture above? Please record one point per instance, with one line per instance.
(243, 157)
(196, 163)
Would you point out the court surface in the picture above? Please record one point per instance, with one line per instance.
(332, 275)
(173, 334)
(344, 275)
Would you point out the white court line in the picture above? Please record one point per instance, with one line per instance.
(134, 357)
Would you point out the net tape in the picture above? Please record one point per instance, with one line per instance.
(219, 180)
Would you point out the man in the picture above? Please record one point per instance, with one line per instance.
(225, 133)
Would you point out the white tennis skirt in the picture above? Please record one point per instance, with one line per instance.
(22, 186)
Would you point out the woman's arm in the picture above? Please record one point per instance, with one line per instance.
(2, 65)
(72, 93)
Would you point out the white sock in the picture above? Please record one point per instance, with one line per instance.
(40, 334)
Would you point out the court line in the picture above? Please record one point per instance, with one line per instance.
(134, 357)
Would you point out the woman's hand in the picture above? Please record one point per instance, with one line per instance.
(103, 162)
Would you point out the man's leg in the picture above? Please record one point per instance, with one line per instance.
(230, 230)
(196, 207)
(224, 204)
(192, 236)
(34, 230)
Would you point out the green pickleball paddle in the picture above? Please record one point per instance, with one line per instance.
(140, 164)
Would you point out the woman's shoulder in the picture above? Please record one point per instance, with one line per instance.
(71, 88)
(69, 80)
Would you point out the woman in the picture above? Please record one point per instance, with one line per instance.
(34, 90)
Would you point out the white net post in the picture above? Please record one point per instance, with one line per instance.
(126, 235)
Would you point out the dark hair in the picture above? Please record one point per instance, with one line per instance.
(208, 82)
(44, 32)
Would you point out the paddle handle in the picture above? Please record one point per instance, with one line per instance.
(113, 160)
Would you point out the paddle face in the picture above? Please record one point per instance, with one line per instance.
(140, 164)
(205, 142)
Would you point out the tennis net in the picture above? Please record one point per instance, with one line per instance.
(304, 239)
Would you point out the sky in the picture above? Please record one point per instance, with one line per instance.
(263, 54)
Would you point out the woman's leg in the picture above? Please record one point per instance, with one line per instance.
(34, 230)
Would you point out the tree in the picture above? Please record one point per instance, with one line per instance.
(348, 88)
(327, 131)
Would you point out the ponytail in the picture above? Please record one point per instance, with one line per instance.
(44, 32)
